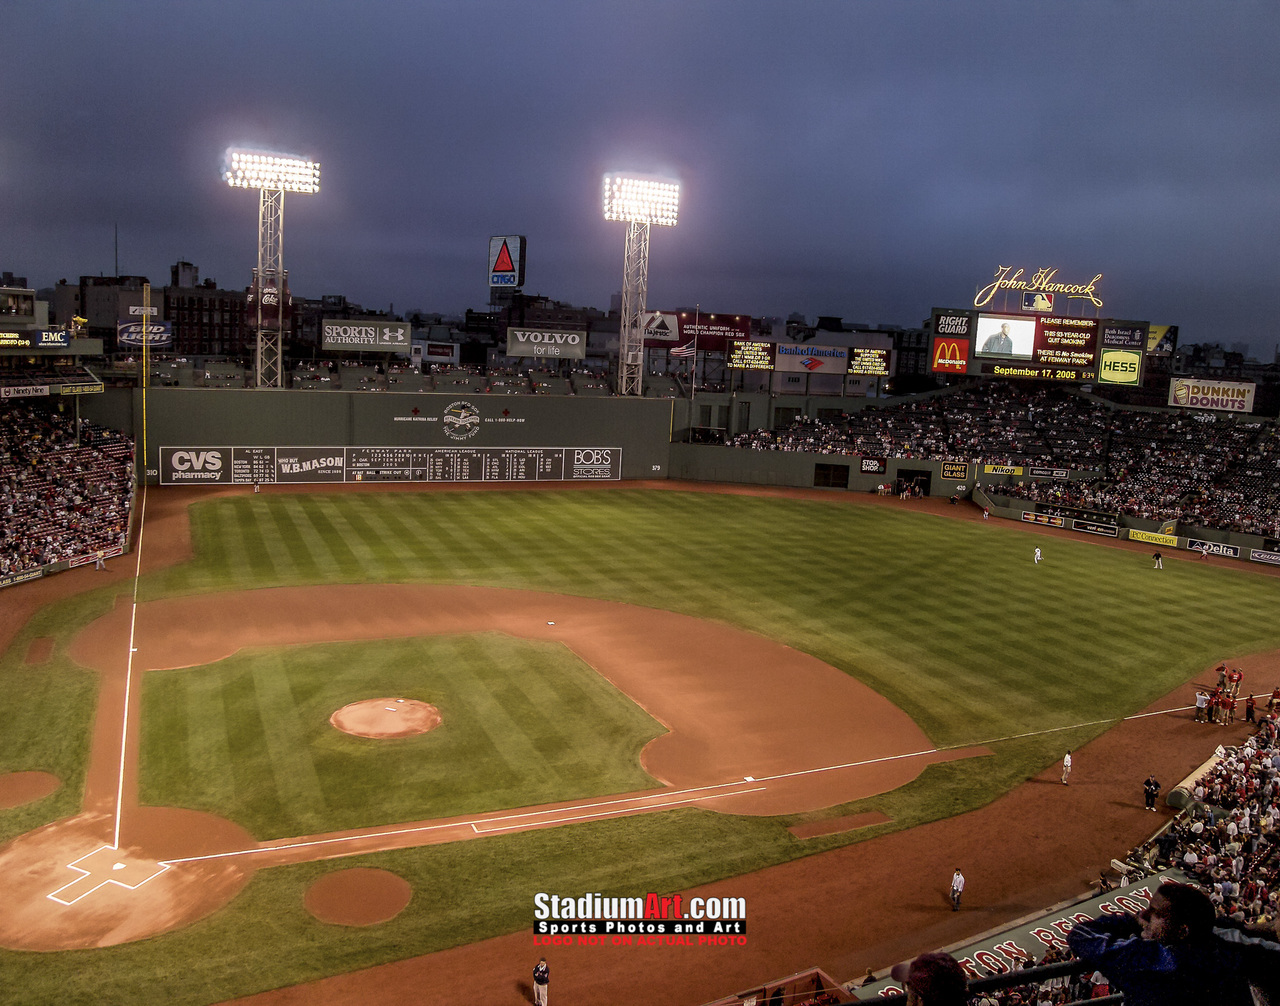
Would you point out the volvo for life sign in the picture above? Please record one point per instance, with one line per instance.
(559, 345)
(368, 336)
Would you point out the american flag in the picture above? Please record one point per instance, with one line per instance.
(684, 352)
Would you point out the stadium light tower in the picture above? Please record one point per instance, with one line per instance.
(273, 175)
(641, 201)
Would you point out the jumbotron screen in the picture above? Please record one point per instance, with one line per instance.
(1037, 346)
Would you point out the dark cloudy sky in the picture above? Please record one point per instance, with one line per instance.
(859, 158)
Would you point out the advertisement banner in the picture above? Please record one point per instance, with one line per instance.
(873, 466)
(743, 354)
(562, 345)
(1162, 340)
(1089, 527)
(506, 261)
(957, 471)
(1213, 548)
(950, 356)
(9, 579)
(1226, 396)
(362, 336)
(1168, 540)
(310, 464)
(953, 324)
(26, 391)
(1260, 555)
(1002, 469)
(1125, 334)
(1120, 366)
(712, 331)
(194, 465)
(661, 329)
(872, 362)
(811, 359)
(81, 389)
(1048, 473)
(1042, 518)
(34, 339)
(129, 333)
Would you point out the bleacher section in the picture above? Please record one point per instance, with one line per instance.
(1197, 467)
(60, 500)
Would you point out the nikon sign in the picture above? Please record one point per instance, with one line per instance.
(543, 342)
(366, 336)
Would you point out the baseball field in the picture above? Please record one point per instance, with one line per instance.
(636, 688)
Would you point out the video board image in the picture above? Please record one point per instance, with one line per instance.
(1009, 337)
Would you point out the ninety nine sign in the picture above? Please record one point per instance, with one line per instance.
(542, 342)
(387, 336)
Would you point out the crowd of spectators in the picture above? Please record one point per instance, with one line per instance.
(1226, 842)
(1196, 467)
(62, 496)
(1227, 839)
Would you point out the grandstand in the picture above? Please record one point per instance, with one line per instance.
(66, 491)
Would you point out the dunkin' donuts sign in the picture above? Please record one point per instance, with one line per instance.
(1226, 396)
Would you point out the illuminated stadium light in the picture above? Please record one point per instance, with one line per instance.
(641, 199)
(255, 169)
(272, 174)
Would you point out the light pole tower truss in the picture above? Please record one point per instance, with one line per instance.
(268, 365)
(641, 201)
(272, 175)
(635, 290)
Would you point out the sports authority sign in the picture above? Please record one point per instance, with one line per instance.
(506, 261)
(365, 336)
(1227, 396)
(562, 345)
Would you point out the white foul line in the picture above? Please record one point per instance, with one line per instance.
(682, 797)
(128, 676)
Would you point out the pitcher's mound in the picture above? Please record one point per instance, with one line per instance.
(357, 897)
(380, 718)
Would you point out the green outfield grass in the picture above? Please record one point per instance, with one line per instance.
(950, 620)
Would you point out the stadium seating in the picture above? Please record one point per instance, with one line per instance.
(60, 500)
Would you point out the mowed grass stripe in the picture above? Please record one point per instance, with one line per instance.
(300, 558)
(334, 552)
(285, 737)
(210, 747)
(376, 555)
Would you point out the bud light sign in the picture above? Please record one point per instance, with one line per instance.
(157, 333)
